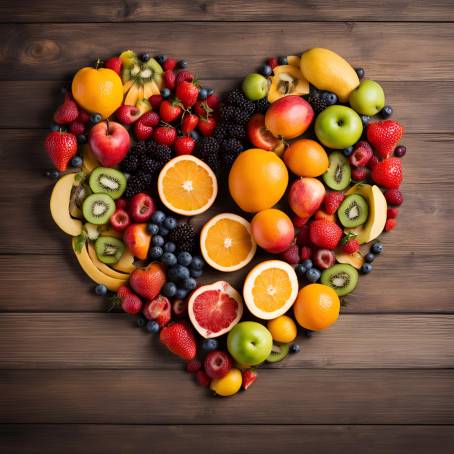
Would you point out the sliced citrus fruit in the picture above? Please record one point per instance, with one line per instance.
(215, 309)
(270, 289)
(187, 186)
(226, 242)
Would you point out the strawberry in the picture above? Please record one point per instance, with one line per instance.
(189, 123)
(291, 255)
(391, 213)
(184, 76)
(127, 115)
(123, 290)
(184, 145)
(388, 173)
(213, 101)
(217, 364)
(394, 197)
(187, 93)
(390, 224)
(201, 108)
(142, 131)
(148, 282)
(384, 136)
(193, 366)
(76, 128)
(303, 238)
(324, 259)
(131, 304)
(114, 63)
(299, 222)
(169, 79)
(350, 244)
(372, 162)
(155, 101)
(169, 64)
(61, 147)
(66, 112)
(249, 377)
(170, 110)
(362, 152)
(320, 214)
(165, 135)
(325, 234)
(179, 338)
(180, 308)
(158, 310)
(202, 378)
(150, 119)
(360, 173)
(83, 117)
(305, 253)
(332, 201)
(207, 126)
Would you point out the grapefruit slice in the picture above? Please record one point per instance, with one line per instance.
(215, 309)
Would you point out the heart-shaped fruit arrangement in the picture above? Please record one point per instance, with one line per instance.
(148, 149)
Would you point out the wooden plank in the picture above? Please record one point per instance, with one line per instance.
(31, 51)
(82, 341)
(173, 397)
(231, 10)
(228, 439)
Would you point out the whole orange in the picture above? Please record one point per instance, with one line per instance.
(306, 158)
(98, 90)
(316, 307)
(257, 180)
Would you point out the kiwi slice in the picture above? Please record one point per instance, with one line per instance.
(338, 174)
(342, 278)
(97, 208)
(104, 180)
(353, 211)
(92, 231)
(278, 352)
(109, 249)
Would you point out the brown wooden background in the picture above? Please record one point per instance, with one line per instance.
(75, 379)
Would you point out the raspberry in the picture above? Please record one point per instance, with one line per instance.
(360, 173)
(202, 378)
(193, 366)
(390, 224)
(291, 255)
(391, 213)
(305, 253)
(394, 197)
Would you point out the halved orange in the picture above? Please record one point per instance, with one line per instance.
(226, 242)
(187, 186)
(270, 289)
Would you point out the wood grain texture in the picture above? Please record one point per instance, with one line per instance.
(228, 439)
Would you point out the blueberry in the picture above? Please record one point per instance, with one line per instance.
(196, 273)
(101, 290)
(313, 275)
(169, 259)
(158, 217)
(165, 92)
(153, 228)
(181, 293)
(194, 134)
(369, 257)
(308, 332)
(81, 139)
(197, 263)
(172, 274)
(386, 112)
(76, 161)
(163, 231)
(182, 64)
(329, 97)
(54, 174)
(348, 151)
(295, 348)
(158, 240)
(182, 272)
(190, 283)
(169, 289)
(366, 268)
(54, 127)
(210, 344)
(170, 223)
(360, 72)
(170, 247)
(365, 120)
(145, 57)
(95, 118)
(152, 326)
(400, 151)
(203, 93)
(300, 270)
(141, 321)
(307, 264)
(282, 60)
(266, 70)
(156, 252)
(377, 248)
(210, 91)
(161, 59)
(184, 258)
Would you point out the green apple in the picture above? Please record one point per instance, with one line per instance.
(368, 98)
(338, 127)
(249, 343)
(255, 86)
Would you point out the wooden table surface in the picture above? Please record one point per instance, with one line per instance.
(75, 379)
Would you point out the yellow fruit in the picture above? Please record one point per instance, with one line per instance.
(326, 70)
(270, 289)
(356, 260)
(187, 186)
(89, 161)
(126, 263)
(283, 329)
(257, 180)
(226, 242)
(294, 60)
(98, 90)
(59, 205)
(102, 266)
(287, 80)
(228, 385)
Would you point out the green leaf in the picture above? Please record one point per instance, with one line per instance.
(80, 242)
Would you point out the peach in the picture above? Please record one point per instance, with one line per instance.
(137, 239)
(289, 117)
(305, 196)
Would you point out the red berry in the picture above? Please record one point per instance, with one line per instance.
(179, 338)
(141, 207)
(388, 173)
(131, 303)
(360, 173)
(83, 116)
(324, 259)
(66, 112)
(61, 148)
(180, 308)
(114, 63)
(362, 152)
(332, 201)
(272, 62)
(193, 366)
(76, 128)
(394, 197)
(325, 234)
(169, 64)
(189, 123)
(218, 364)
(165, 135)
(169, 79)
(142, 131)
(291, 255)
(299, 222)
(392, 213)
(124, 290)
(207, 126)
(213, 101)
(202, 378)
(350, 246)
(249, 377)
(184, 76)
(187, 93)
(120, 220)
(305, 253)
(372, 162)
(384, 136)
(121, 203)
(127, 115)
(155, 101)
(303, 237)
(158, 310)
(184, 145)
(169, 111)
(390, 224)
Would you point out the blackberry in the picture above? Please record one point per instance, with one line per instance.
(139, 148)
(241, 116)
(150, 166)
(237, 98)
(317, 102)
(221, 131)
(130, 162)
(160, 152)
(213, 162)
(229, 158)
(184, 236)
(208, 146)
(226, 113)
(237, 131)
(232, 146)
(136, 183)
(261, 106)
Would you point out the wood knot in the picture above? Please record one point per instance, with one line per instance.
(42, 50)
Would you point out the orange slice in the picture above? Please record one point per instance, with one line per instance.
(187, 186)
(226, 242)
(270, 289)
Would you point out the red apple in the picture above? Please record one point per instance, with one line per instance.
(289, 117)
(120, 220)
(141, 207)
(137, 239)
(259, 135)
(109, 141)
(305, 196)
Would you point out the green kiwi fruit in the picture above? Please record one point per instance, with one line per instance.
(342, 278)
(109, 249)
(278, 352)
(353, 211)
(338, 173)
(98, 208)
(104, 180)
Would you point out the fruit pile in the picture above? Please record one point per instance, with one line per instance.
(140, 148)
